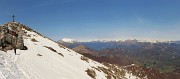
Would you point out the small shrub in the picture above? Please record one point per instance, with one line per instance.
(50, 48)
(27, 28)
(61, 46)
(25, 32)
(111, 71)
(39, 55)
(84, 59)
(68, 50)
(108, 77)
(28, 35)
(34, 40)
(91, 73)
(61, 54)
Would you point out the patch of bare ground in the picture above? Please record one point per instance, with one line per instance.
(91, 73)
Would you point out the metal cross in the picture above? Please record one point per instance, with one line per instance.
(13, 18)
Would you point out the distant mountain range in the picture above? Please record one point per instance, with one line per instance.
(162, 56)
(104, 44)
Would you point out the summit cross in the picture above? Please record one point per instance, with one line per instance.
(13, 18)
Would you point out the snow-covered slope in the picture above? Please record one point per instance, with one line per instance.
(45, 59)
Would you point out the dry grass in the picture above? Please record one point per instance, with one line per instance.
(50, 48)
(61, 54)
(85, 59)
(111, 71)
(28, 35)
(39, 55)
(61, 46)
(34, 40)
(91, 73)
(68, 50)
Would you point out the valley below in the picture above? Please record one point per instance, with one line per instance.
(162, 57)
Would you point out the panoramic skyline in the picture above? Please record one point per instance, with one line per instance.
(97, 19)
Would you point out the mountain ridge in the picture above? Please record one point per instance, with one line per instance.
(162, 56)
(46, 59)
(126, 40)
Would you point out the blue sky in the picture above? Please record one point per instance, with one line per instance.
(97, 19)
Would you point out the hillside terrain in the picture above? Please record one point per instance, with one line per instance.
(164, 57)
(46, 59)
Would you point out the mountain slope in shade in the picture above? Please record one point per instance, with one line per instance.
(119, 59)
(84, 50)
(45, 59)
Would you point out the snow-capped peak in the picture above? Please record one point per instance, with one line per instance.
(68, 40)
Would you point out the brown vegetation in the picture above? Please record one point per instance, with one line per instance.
(61, 46)
(34, 40)
(39, 55)
(112, 71)
(85, 59)
(91, 73)
(61, 54)
(50, 48)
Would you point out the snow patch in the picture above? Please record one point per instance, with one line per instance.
(68, 40)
